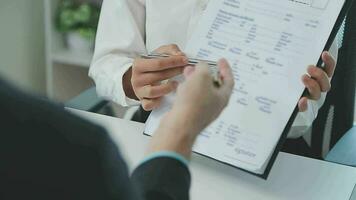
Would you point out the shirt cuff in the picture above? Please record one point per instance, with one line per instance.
(166, 154)
(108, 74)
(304, 120)
(120, 95)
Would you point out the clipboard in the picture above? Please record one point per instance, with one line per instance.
(343, 13)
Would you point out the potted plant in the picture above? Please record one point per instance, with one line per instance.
(78, 21)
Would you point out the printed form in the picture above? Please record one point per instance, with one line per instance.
(269, 44)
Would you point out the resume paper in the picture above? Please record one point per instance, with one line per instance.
(269, 45)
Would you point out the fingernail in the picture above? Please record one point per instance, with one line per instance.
(175, 84)
(185, 60)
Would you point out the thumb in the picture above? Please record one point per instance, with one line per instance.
(226, 75)
(203, 75)
(202, 68)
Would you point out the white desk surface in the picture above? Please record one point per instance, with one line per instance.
(292, 177)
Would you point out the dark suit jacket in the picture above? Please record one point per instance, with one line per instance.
(47, 153)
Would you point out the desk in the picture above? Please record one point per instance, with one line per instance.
(292, 177)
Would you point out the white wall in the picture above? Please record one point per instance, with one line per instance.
(22, 58)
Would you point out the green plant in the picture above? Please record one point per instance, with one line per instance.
(78, 16)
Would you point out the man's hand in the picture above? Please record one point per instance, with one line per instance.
(198, 103)
(147, 75)
(199, 98)
(318, 81)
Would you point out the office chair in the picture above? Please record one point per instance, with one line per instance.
(344, 151)
(90, 102)
(336, 117)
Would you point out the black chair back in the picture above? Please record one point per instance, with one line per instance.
(339, 107)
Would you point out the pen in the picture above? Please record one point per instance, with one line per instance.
(192, 61)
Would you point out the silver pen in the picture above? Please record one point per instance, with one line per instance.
(192, 61)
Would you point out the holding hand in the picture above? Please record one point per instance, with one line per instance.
(318, 81)
(147, 75)
(198, 103)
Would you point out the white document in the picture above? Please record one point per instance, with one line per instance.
(269, 44)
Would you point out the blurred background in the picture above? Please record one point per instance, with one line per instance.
(22, 44)
(46, 48)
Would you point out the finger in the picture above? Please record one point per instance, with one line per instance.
(321, 77)
(153, 65)
(330, 63)
(171, 49)
(202, 73)
(150, 104)
(153, 77)
(226, 74)
(188, 71)
(303, 104)
(312, 86)
(152, 92)
(202, 68)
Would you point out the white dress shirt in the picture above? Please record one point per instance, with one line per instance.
(128, 28)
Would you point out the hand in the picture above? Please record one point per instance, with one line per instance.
(197, 104)
(147, 75)
(198, 99)
(318, 81)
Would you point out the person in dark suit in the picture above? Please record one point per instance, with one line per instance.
(48, 153)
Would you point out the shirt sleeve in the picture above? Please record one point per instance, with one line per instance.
(120, 38)
(304, 120)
